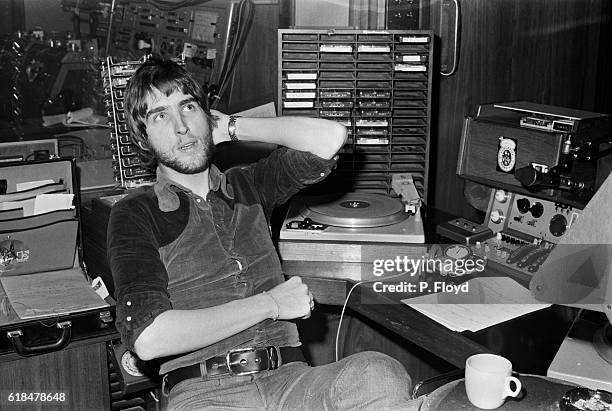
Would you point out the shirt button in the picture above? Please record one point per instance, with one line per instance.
(129, 318)
(128, 303)
(322, 174)
(198, 200)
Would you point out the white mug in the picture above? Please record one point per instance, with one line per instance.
(487, 380)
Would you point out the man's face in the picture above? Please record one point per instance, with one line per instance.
(178, 131)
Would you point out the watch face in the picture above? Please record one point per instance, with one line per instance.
(457, 251)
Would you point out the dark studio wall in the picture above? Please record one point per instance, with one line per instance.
(12, 16)
(47, 14)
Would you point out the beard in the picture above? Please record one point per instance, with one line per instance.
(199, 162)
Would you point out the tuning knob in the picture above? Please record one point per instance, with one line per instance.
(501, 196)
(558, 225)
(497, 216)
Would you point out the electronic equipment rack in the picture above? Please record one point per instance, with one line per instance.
(127, 167)
(376, 83)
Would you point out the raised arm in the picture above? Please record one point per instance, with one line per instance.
(318, 136)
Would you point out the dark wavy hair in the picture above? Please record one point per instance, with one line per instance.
(167, 77)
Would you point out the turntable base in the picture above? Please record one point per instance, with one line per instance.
(347, 227)
(409, 231)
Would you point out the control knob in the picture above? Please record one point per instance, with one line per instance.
(497, 216)
(558, 225)
(537, 210)
(523, 205)
(501, 196)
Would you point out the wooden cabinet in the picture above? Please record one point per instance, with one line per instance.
(79, 372)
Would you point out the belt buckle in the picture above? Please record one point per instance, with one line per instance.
(272, 360)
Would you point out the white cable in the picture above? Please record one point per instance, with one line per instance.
(348, 295)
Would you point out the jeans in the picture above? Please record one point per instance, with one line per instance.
(363, 381)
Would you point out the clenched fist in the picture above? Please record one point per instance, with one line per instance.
(293, 298)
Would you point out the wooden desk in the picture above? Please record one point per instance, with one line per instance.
(530, 342)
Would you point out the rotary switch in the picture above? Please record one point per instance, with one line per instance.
(501, 196)
(497, 216)
(558, 225)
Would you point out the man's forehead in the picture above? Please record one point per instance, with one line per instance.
(157, 97)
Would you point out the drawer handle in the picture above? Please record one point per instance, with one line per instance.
(25, 351)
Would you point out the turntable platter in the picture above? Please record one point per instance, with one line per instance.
(356, 210)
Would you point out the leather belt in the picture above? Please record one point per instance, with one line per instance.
(241, 361)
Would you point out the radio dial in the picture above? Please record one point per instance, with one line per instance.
(497, 216)
(558, 225)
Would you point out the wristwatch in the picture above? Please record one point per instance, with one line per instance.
(231, 128)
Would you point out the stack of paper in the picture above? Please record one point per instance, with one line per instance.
(488, 301)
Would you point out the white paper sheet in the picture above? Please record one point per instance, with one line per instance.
(50, 294)
(50, 202)
(28, 185)
(489, 301)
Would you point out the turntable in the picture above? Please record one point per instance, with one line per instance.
(336, 227)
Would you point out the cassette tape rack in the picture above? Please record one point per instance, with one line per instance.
(128, 169)
(376, 83)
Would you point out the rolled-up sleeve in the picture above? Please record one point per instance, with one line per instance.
(305, 168)
(284, 172)
(139, 275)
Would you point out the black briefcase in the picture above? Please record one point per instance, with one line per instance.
(46, 298)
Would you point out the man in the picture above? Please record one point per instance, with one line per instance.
(198, 282)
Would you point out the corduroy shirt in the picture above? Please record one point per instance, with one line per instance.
(171, 249)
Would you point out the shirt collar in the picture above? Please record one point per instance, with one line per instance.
(166, 190)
